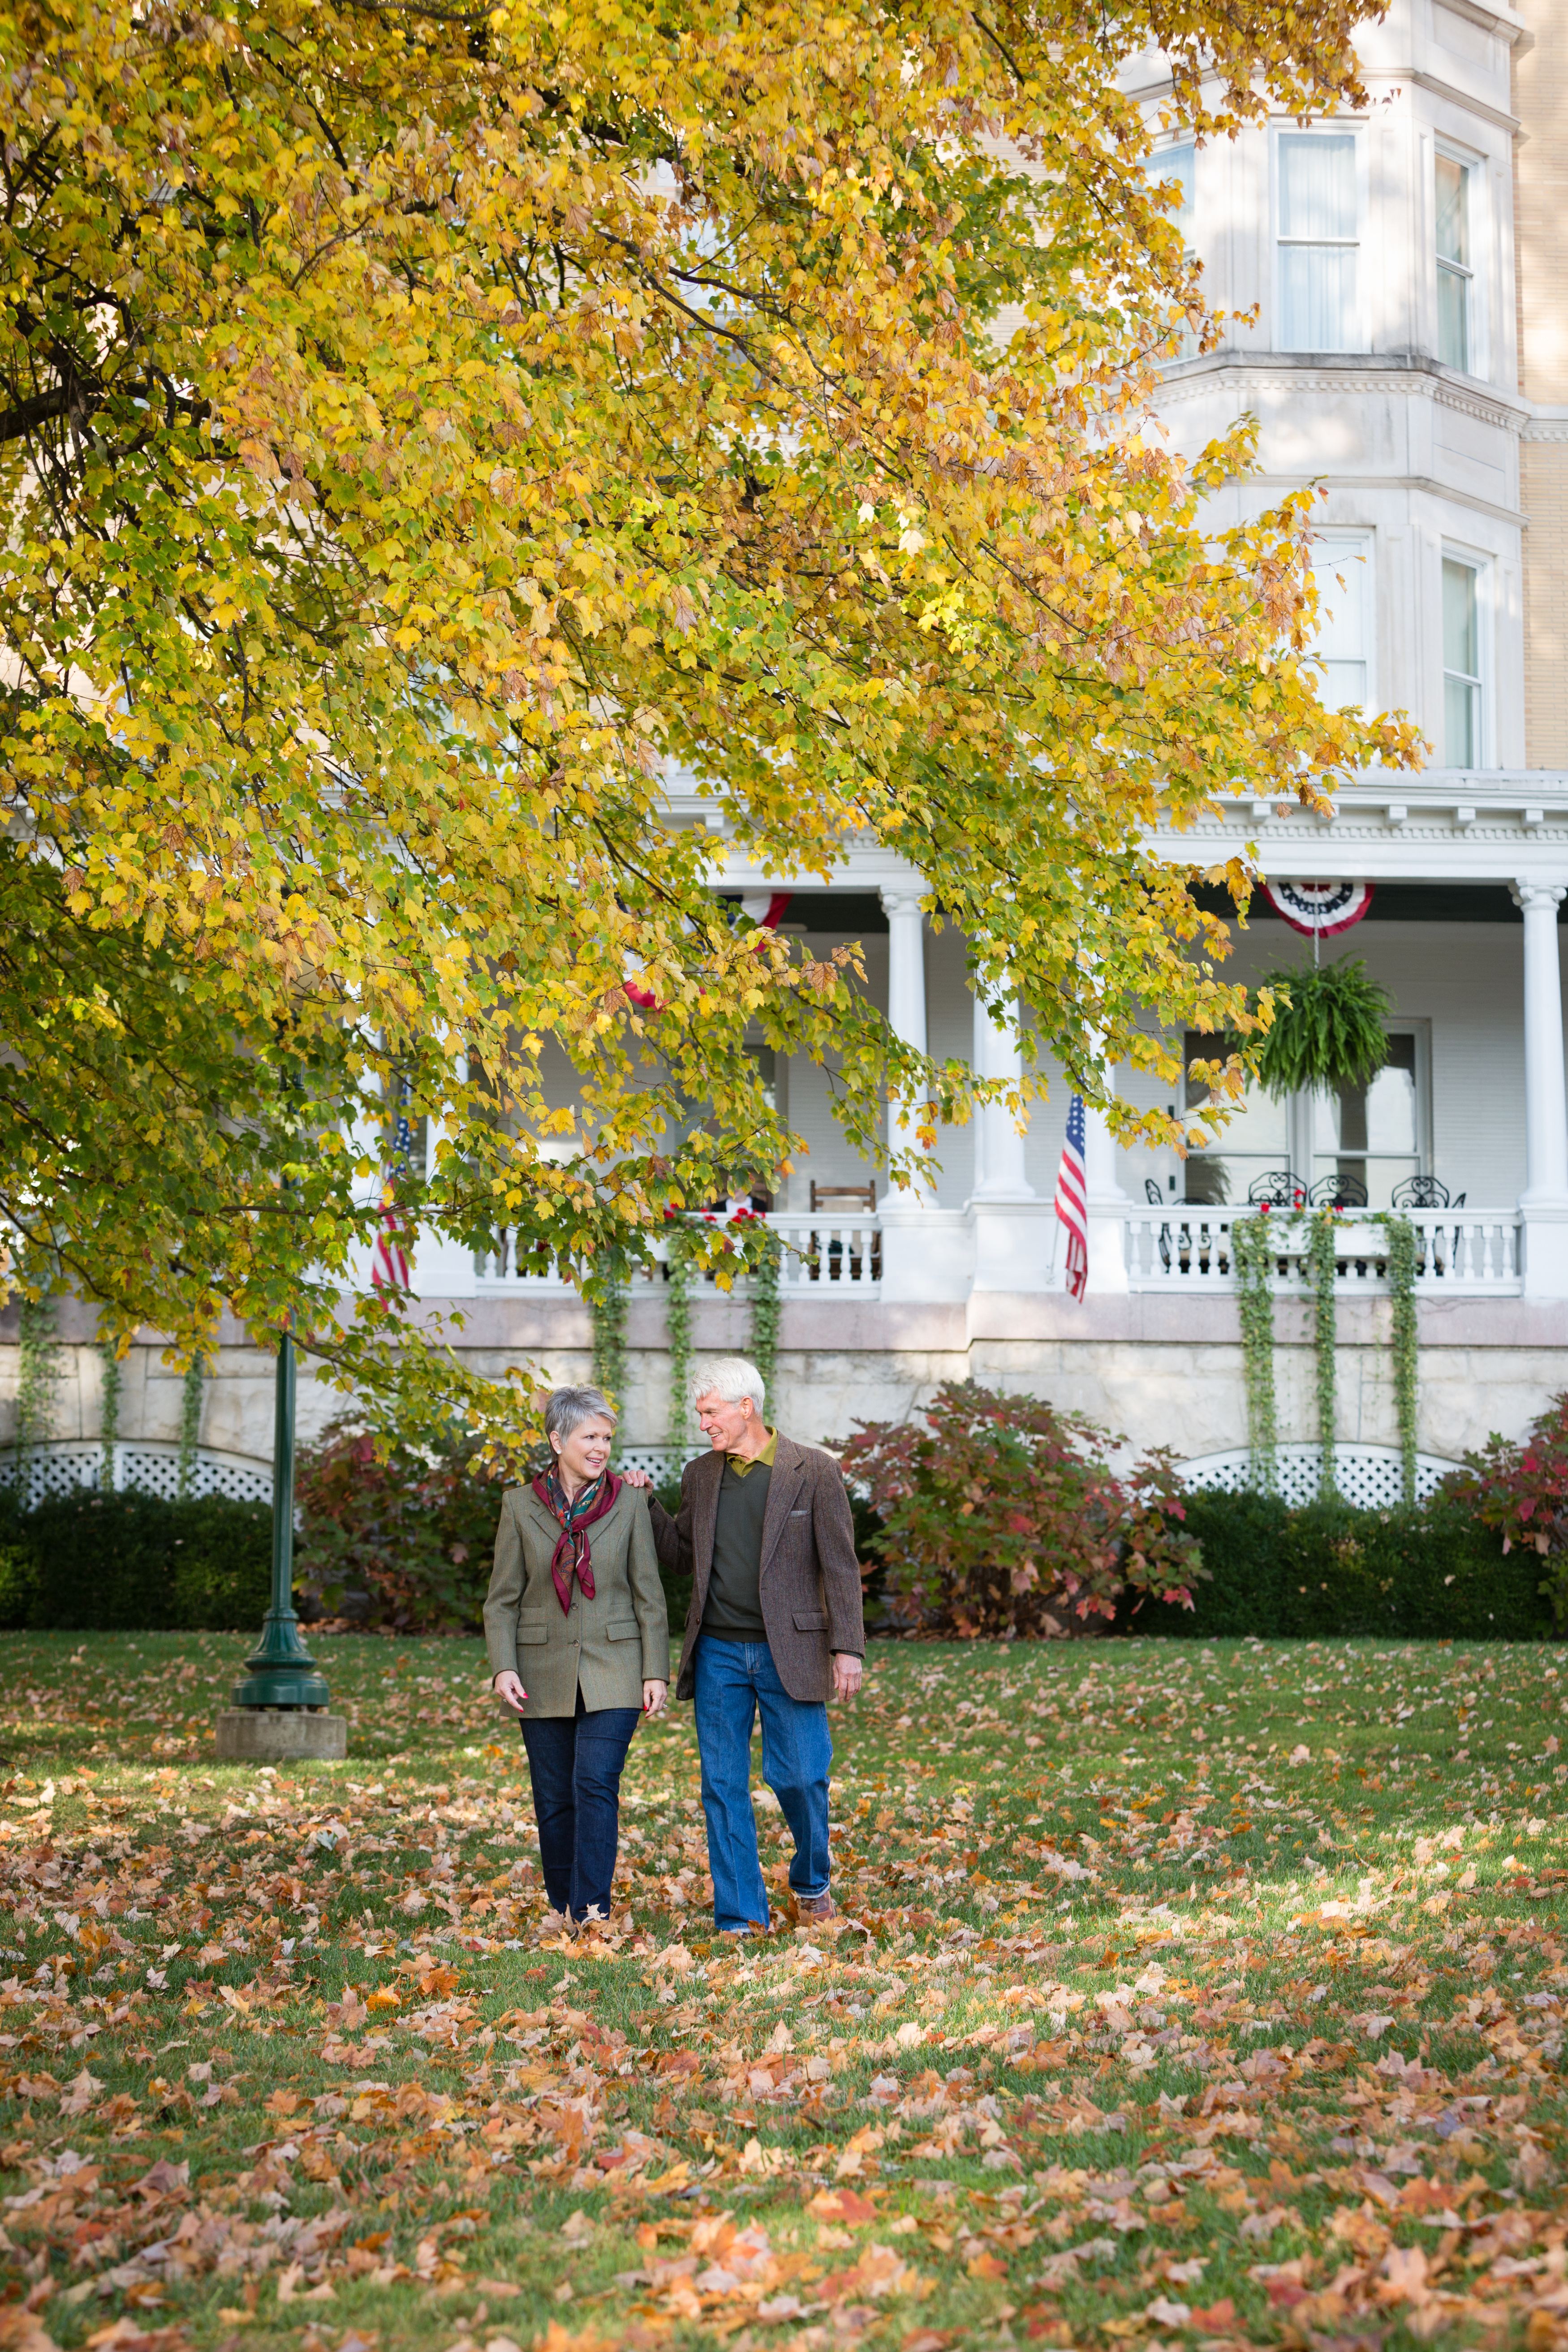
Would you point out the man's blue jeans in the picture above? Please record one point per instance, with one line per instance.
(735, 1681)
(575, 1763)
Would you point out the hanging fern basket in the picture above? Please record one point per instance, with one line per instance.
(1329, 1028)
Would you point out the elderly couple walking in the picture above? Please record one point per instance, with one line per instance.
(579, 1642)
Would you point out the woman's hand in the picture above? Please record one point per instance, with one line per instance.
(654, 1695)
(508, 1688)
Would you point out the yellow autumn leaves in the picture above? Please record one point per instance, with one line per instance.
(420, 434)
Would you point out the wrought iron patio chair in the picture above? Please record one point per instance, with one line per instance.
(1422, 1193)
(1276, 1190)
(1341, 1192)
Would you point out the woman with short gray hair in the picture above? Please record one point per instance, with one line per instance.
(576, 1601)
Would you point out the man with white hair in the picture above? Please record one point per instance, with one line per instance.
(776, 1624)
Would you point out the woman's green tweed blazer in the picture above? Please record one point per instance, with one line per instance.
(610, 1646)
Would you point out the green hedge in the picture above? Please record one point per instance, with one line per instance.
(135, 1563)
(1325, 1569)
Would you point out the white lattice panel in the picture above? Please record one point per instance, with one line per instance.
(153, 1469)
(1369, 1476)
(661, 1462)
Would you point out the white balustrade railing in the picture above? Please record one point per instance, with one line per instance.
(838, 1254)
(831, 1252)
(1474, 1251)
(1188, 1249)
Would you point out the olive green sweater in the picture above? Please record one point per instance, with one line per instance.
(735, 1610)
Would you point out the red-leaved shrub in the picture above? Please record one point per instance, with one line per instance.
(402, 1539)
(1003, 1517)
(1521, 1489)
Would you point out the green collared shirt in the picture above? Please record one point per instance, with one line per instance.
(741, 1463)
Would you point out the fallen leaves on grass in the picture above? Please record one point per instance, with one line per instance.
(1119, 2031)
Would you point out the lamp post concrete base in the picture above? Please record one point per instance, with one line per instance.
(281, 1734)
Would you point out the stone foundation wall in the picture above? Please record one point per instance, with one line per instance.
(1158, 1370)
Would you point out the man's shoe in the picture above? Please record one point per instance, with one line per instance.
(815, 1907)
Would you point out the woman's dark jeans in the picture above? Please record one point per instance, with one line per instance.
(575, 1763)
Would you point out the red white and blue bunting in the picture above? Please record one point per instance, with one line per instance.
(1320, 908)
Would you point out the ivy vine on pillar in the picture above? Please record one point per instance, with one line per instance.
(609, 1313)
(1252, 1250)
(190, 1426)
(108, 1413)
(677, 1317)
(765, 1312)
(38, 1369)
(1404, 1340)
(1322, 1252)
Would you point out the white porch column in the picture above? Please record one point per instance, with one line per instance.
(999, 1173)
(926, 1252)
(1015, 1230)
(906, 1016)
(443, 1268)
(1107, 1200)
(1543, 1204)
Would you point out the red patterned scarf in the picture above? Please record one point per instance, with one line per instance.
(575, 1519)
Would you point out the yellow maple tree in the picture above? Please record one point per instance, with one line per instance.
(425, 429)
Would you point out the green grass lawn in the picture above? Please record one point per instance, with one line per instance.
(1184, 1995)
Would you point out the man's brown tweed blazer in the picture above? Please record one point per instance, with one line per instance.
(810, 1583)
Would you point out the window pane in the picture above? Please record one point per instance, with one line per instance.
(1177, 164)
(1452, 319)
(1344, 684)
(1317, 187)
(1452, 210)
(1460, 632)
(1459, 724)
(1317, 297)
(1340, 570)
(1391, 1111)
(1377, 1118)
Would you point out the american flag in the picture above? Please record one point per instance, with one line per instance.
(389, 1261)
(1072, 1200)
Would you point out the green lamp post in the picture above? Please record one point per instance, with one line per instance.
(282, 1672)
(278, 1711)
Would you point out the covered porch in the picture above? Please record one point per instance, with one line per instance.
(1466, 1128)
(885, 1295)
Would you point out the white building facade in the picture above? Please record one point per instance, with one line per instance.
(1406, 348)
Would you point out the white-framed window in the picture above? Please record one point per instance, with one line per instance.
(1464, 662)
(1345, 644)
(1317, 248)
(1453, 213)
(1368, 1137)
(1179, 162)
(1374, 1136)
